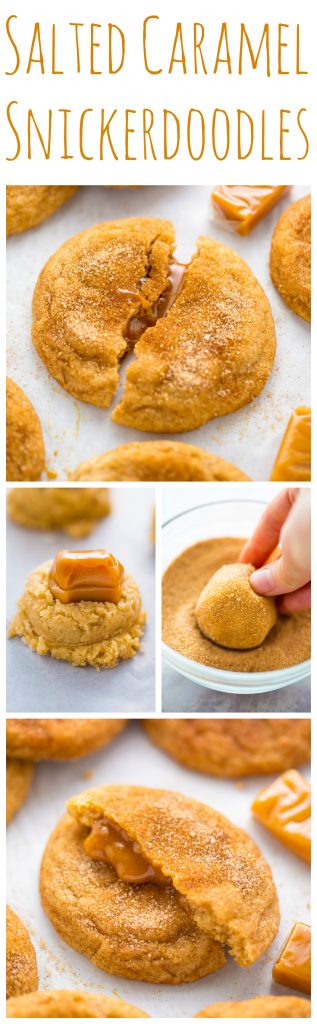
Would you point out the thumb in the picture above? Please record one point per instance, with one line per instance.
(281, 577)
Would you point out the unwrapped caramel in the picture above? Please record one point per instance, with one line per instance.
(243, 206)
(293, 460)
(293, 965)
(148, 316)
(109, 843)
(285, 809)
(86, 576)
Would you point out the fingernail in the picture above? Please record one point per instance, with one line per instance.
(263, 580)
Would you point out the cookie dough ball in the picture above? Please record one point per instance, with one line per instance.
(25, 446)
(21, 970)
(28, 205)
(59, 739)
(290, 260)
(96, 633)
(157, 460)
(186, 885)
(261, 1006)
(233, 747)
(71, 1004)
(76, 510)
(19, 775)
(229, 611)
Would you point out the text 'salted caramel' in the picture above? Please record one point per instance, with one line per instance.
(109, 843)
(86, 576)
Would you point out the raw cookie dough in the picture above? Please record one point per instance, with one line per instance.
(288, 643)
(157, 460)
(28, 205)
(218, 889)
(261, 1006)
(25, 446)
(208, 354)
(71, 1004)
(229, 611)
(76, 510)
(97, 633)
(290, 260)
(233, 747)
(19, 775)
(21, 970)
(59, 739)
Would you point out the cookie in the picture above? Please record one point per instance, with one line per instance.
(76, 510)
(28, 205)
(233, 747)
(21, 970)
(59, 739)
(71, 1004)
(261, 1006)
(229, 611)
(157, 460)
(96, 633)
(114, 284)
(25, 446)
(19, 775)
(290, 259)
(152, 885)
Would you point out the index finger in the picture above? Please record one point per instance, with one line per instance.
(267, 533)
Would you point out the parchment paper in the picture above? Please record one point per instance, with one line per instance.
(74, 431)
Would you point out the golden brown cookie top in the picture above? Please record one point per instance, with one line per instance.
(71, 1004)
(20, 960)
(261, 1006)
(210, 861)
(233, 747)
(290, 259)
(25, 446)
(57, 739)
(157, 460)
(86, 296)
(28, 205)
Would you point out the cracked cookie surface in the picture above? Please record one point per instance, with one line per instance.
(219, 889)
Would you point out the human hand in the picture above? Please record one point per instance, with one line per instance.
(285, 522)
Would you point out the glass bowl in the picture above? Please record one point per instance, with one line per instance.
(231, 518)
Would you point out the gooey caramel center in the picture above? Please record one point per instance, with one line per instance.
(109, 843)
(86, 576)
(148, 317)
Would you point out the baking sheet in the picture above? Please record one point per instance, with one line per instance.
(74, 431)
(132, 759)
(42, 684)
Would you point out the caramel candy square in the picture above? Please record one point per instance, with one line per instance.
(86, 576)
(293, 460)
(284, 808)
(292, 967)
(245, 205)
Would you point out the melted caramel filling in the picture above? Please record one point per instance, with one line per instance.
(86, 576)
(109, 843)
(148, 317)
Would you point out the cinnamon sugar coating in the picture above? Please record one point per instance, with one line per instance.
(25, 446)
(233, 748)
(290, 259)
(71, 1004)
(28, 205)
(19, 775)
(59, 739)
(21, 970)
(157, 460)
(222, 895)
